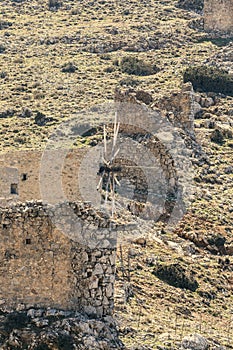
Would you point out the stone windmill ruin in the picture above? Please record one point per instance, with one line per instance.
(218, 15)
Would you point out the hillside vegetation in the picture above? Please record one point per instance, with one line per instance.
(58, 57)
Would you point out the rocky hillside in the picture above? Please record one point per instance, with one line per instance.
(174, 287)
(56, 60)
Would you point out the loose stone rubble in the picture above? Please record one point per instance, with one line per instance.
(47, 328)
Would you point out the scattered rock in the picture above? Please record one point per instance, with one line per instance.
(23, 330)
(5, 24)
(144, 96)
(8, 113)
(2, 48)
(195, 342)
(140, 241)
(41, 119)
(26, 113)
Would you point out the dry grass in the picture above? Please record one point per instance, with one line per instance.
(93, 35)
(40, 41)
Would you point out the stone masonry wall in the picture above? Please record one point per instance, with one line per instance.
(218, 15)
(44, 267)
(180, 107)
(8, 176)
(24, 169)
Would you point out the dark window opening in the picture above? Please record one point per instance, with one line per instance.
(28, 241)
(24, 177)
(14, 188)
(100, 282)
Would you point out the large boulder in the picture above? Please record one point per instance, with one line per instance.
(195, 342)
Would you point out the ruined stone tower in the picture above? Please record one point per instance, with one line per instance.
(218, 15)
(42, 266)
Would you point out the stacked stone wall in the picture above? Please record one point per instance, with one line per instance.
(43, 266)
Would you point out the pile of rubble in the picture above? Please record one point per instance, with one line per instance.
(32, 328)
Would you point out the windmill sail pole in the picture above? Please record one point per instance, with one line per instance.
(108, 178)
(105, 143)
(113, 196)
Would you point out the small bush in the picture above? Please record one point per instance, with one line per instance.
(69, 67)
(7, 113)
(176, 276)
(26, 113)
(191, 5)
(109, 69)
(2, 48)
(41, 119)
(5, 24)
(105, 57)
(135, 66)
(16, 320)
(208, 79)
(126, 12)
(65, 342)
(217, 137)
(42, 346)
(144, 96)
(217, 240)
(3, 74)
(54, 4)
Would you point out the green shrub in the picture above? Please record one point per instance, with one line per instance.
(135, 66)
(191, 5)
(54, 4)
(3, 74)
(5, 24)
(217, 137)
(42, 346)
(2, 48)
(68, 67)
(176, 275)
(65, 342)
(208, 79)
(217, 240)
(16, 320)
